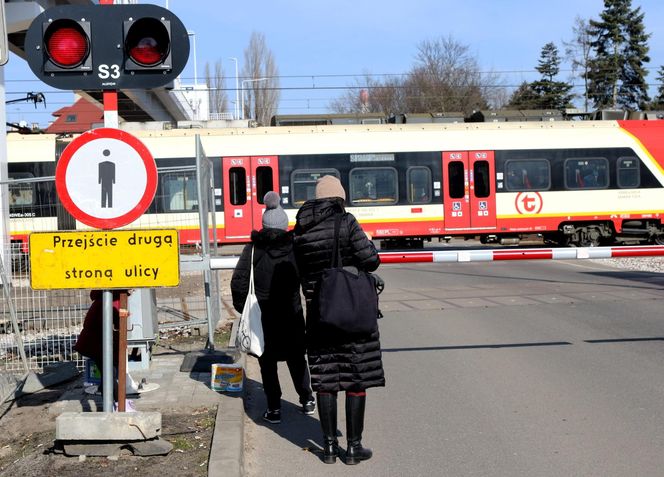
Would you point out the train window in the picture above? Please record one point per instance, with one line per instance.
(527, 174)
(180, 192)
(263, 182)
(21, 193)
(481, 178)
(237, 183)
(303, 183)
(587, 173)
(419, 185)
(629, 174)
(455, 179)
(373, 186)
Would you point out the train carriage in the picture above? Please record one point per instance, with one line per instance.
(572, 183)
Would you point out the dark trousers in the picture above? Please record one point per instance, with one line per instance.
(297, 365)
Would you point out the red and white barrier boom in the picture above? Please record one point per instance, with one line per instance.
(522, 254)
(219, 263)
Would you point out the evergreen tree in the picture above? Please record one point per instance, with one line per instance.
(616, 76)
(523, 98)
(550, 94)
(658, 102)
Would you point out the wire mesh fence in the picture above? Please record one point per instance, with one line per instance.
(49, 321)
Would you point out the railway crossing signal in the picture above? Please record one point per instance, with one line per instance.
(107, 47)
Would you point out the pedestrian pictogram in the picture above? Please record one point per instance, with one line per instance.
(106, 178)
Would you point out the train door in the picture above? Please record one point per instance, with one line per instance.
(246, 180)
(468, 196)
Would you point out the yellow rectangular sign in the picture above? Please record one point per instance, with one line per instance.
(104, 259)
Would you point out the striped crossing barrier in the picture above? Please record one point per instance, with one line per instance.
(522, 254)
(438, 256)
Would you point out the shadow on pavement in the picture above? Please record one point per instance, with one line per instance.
(301, 430)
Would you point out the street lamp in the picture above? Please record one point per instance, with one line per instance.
(193, 34)
(237, 91)
(249, 81)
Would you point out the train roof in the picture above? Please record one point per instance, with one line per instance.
(383, 137)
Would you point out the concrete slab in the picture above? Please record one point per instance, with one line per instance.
(227, 444)
(103, 426)
(52, 375)
(105, 449)
(8, 386)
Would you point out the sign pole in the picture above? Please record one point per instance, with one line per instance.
(107, 350)
(110, 121)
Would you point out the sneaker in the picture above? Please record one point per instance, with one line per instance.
(272, 416)
(309, 407)
(129, 406)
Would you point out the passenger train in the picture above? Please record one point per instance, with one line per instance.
(581, 183)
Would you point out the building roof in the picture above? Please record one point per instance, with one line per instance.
(76, 118)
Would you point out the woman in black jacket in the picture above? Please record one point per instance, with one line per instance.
(277, 286)
(338, 361)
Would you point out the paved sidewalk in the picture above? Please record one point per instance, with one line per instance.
(181, 392)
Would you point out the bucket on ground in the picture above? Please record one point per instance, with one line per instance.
(227, 377)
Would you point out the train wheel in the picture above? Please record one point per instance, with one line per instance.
(589, 237)
(659, 239)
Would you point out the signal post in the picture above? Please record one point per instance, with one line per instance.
(107, 47)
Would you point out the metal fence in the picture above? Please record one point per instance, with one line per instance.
(49, 321)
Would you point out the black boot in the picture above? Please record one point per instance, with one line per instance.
(327, 412)
(354, 426)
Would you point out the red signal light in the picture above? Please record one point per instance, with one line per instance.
(148, 42)
(67, 45)
(147, 52)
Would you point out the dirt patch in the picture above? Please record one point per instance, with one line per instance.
(27, 429)
(34, 454)
(28, 433)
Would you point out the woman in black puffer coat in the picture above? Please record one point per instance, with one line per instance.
(338, 361)
(277, 286)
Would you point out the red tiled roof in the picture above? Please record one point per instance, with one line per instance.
(82, 114)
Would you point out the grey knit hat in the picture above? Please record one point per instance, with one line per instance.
(274, 216)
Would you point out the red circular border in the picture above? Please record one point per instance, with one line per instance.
(113, 222)
(518, 196)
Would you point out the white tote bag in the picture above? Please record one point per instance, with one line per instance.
(250, 331)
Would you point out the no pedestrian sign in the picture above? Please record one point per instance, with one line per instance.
(106, 178)
(104, 259)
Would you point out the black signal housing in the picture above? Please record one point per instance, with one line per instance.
(97, 47)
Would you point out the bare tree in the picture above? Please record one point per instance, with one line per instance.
(215, 84)
(262, 79)
(383, 97)
(445, 78)
(578, 51)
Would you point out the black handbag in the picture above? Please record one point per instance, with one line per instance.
(347, 300)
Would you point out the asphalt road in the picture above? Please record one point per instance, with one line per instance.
(533, 368)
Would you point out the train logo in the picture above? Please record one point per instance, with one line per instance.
(528, 203)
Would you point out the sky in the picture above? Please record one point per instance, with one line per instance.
(322, 47)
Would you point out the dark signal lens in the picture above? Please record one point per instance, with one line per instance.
(147, 52)
(67, 45)
(147, 42)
